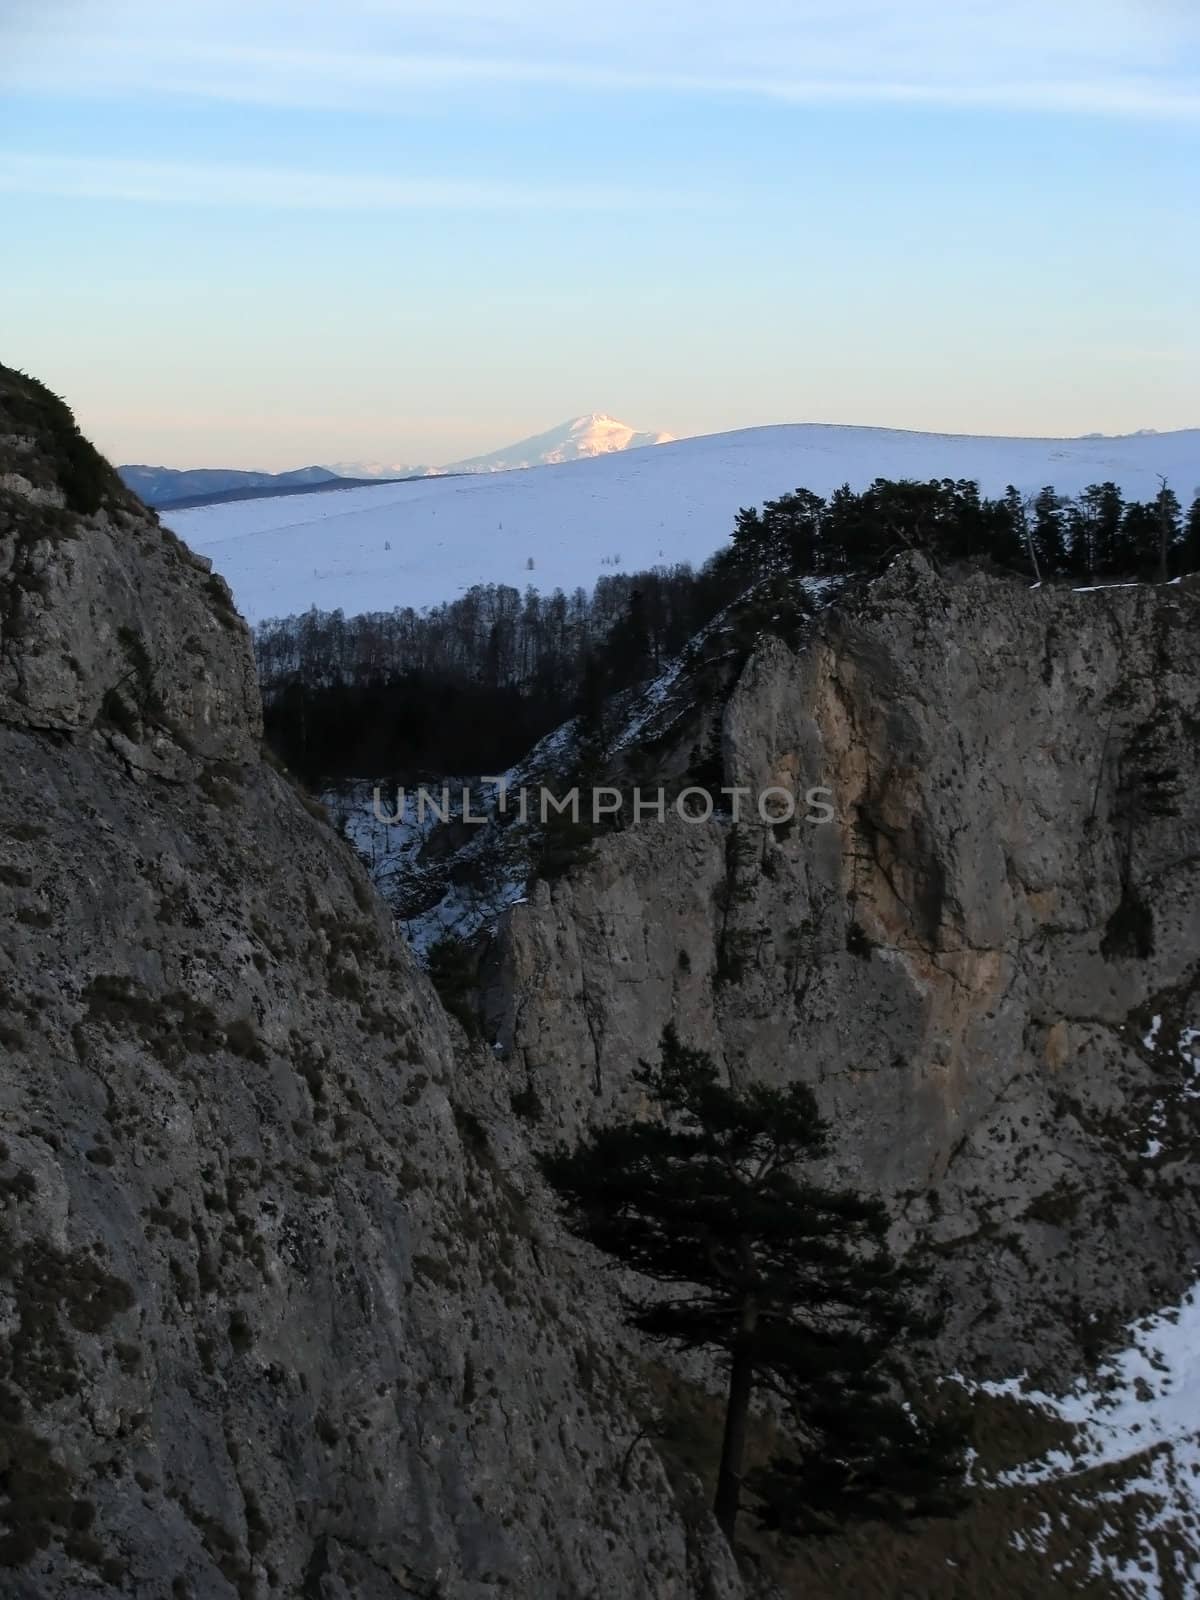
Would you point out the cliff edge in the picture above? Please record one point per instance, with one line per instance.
(276, 1316)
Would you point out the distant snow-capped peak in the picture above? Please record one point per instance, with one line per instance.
(596, 434)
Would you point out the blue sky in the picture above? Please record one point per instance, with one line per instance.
(266, 234)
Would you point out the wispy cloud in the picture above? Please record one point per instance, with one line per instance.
(1115, 57)
(208, 184)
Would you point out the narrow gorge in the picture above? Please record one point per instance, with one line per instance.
(285, 1308)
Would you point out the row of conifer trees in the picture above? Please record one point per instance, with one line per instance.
(468, 686)
(1093, 536)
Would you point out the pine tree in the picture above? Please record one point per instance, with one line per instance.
(750, 546)
(790, 1282)
(1112, 557)
(906, 515)
(1141, 539)
(1049, 533)
(1012, 541)
(848, 542)
(1189, 549)
(592, 704)
(1096, 545)
(796, 525)
(969, 524)
(1170, 528)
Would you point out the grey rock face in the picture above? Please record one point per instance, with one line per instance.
(965, 962)
(106, 619)
(277, 1315)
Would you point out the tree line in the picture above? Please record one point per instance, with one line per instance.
(1095, 536)
(470, 685)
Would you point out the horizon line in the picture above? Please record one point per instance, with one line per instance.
(454, 468)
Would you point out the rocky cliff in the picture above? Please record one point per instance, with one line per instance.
(281, 1307)
(967, 961)
(276, 1314)
(987, 964)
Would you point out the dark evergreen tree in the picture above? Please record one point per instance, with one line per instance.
(1050, 533)
(1097, 548)
(906, 515)
(790, 1282)
(1112, 556)
(750, 545)
(1170, 530)
(970, 526)
(593, 700)
(631, 653)
(793, 527)
(850, 540)
(1189, 549)
(1141, 540)
(1012, 542)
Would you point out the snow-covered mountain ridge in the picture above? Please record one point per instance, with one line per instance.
(578, 440)
(562, 526)
(596, 434)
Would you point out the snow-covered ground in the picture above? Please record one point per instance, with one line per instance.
(1132, 1464)
(1180, 1087)
(420, 543)
(390, 830)
(1140, 1414)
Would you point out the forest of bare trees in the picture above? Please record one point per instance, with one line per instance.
(468, 686)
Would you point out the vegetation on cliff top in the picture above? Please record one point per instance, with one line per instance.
(469, 686)
(44, 446)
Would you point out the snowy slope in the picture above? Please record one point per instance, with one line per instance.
(422, 542)
(583, 437)
(1128, 1465)
(1131, 1475)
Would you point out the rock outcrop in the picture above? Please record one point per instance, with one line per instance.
(276, 1313)
(105, 617)
(966, 962)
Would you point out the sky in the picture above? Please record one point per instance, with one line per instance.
(266, 234)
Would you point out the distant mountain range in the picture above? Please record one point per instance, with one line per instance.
(159, 486)
(424, 542)
(578, 440)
